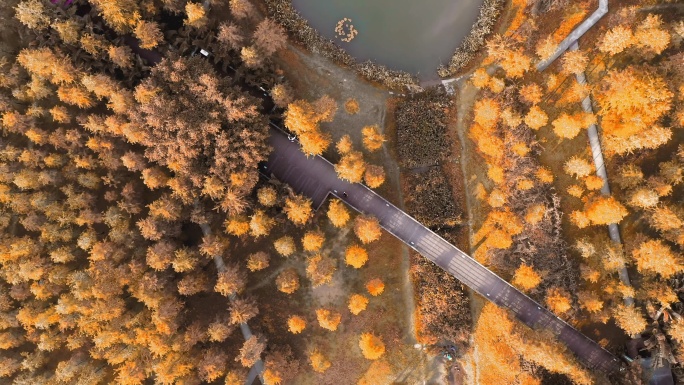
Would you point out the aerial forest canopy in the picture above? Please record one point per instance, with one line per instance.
(111, 170)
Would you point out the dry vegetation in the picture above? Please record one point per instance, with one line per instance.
(421, 128)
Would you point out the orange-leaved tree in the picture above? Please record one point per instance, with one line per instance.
(338, 213)
(320, 269)
(298, 209)
(367, 229)
(313, 240)
(288, 281)
(374, 176)
(303, 118)
(375, 287)
(318, 361)
(351, 167)
(558, 300)
(328, 319)
(656, 257)
(526, 278)
(629, 319)
(371, 346)
(355, 256)
(285, 246)
(372, 138)
(357, 303)
(296, 324)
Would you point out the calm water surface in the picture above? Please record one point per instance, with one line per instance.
(411, 35)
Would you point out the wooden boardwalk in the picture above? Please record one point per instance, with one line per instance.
(315, 177)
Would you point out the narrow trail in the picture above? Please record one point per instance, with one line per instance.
(257, 369)
(599, 164)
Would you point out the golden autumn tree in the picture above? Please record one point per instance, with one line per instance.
(604, 211)
(375, 287)
(148, 33)
(643, 197)
(320, 269)
(616, 40)
(269, 36)
(242, 310)
(328, 319)
(480, 78)
(355, 256)
(313, 240)
(318, 361)
(578, 167)
(367, 229)
(251, 351)
(338, 213)
(656, 257)
(344, 145)
(33, 14)
(372, 138)
(371, 346)
(285, 246)
(303, 118)
(298, 209)
(568, 126)
(574, 62)
(196, 15)
(526, 278)
(558, 300)
(267, 196)
(536, 118)
(531, 93)
(632, 101)
(651, 35)
(486, 112)
(280, 93)
(119, 14)
(590, 301)
(357, 303)
(296, 324)
(288, 281)
(260, 224)
(351, 167)
(230, 281)
(351, 106)
(629, 319)
(546, 48)
(374, 176)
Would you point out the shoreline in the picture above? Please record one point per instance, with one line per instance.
(284, 13)
(303, 33)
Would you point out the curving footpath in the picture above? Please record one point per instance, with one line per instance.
(316, 178)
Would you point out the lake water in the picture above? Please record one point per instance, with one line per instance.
(411, 35)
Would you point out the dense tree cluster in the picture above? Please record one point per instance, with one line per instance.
(111, 174)
(633, 85)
